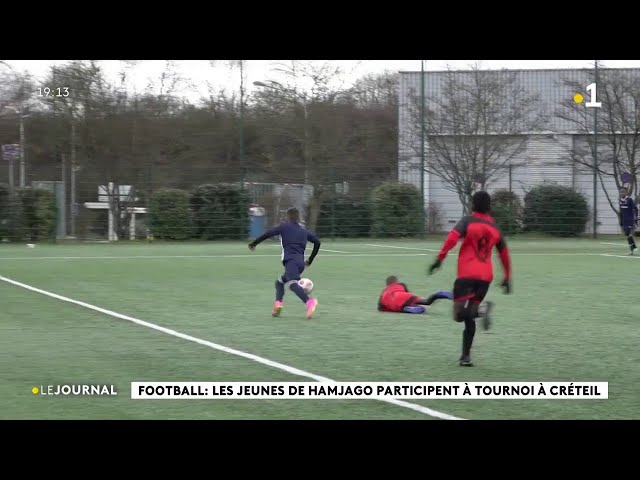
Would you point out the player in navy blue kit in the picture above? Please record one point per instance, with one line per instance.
(293, 238)
(628, 217)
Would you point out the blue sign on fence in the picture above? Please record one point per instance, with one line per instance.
(10, 151)
(625, 177)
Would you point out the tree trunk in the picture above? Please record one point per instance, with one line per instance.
(465, 198)
(315, 207)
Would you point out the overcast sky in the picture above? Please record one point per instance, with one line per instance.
(199, 72)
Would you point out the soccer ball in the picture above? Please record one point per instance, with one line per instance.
(306, 284)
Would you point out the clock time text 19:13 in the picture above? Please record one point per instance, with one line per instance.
(53, 92)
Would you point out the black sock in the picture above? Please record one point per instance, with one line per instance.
(299, 291)
(428, 301)
(632, 243)
(432, 298)
(467, 335)
(279, 289)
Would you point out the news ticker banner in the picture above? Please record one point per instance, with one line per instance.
(368, 390)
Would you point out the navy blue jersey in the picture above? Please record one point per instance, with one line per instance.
(293, 240)
(628, 212)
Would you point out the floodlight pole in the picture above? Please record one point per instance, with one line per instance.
(422, 143)
(22, 144)
(595, 162)
(242, 159)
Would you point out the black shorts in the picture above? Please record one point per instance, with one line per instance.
(293, 269)
(469, 289)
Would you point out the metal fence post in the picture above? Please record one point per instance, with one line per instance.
(595, 163)
(422, 145)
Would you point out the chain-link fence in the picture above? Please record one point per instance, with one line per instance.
(234, 210)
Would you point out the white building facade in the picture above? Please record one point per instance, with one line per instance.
(545, 156)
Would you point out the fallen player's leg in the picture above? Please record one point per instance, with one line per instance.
(434, 297)
(416, 305)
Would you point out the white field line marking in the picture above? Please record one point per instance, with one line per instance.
(345, 255)
(616, 244)
(247, 255)
(618, 256)
(533, 254)
(554, 254)
(222, 348)
(405, 248)
(322, 249)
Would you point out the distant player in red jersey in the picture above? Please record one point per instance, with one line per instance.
(397, 298)
(479, 235)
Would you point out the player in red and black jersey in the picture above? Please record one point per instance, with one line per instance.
(396, 297)
(479, 235)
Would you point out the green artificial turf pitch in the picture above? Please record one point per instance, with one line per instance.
(572, 317)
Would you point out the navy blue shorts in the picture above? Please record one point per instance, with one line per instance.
(293, 268)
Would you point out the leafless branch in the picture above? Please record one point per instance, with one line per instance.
(618, 140)
(474, 128)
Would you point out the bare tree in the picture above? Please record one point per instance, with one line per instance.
(19, 97)
(11, 87)
(306, 110)
(346, 138)
(168, 89)
(377, 90)
(81, 101)
(618, 140)
(474, 129)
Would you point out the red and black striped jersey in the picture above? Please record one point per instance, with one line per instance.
(479, 235)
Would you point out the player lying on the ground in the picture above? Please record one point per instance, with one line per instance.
(293, 238)
(628, 217)
(397, 298)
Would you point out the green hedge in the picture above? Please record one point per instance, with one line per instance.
(13, 220)
(220, 212)
(396, 210)
(345, 218)
(506, 209)
(170, 214)
(555, 210)
(34, 215)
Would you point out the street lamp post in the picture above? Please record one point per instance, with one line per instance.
(22, 144)
(21, 117)
(242, 159)
(73, 176)
(12, 180)
(422, 145)
(306, 142)
(595, 162)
